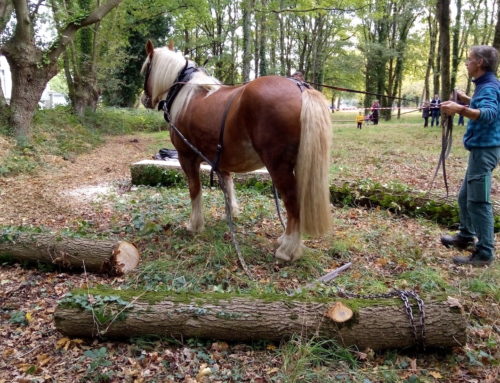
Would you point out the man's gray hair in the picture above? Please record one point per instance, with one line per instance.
(489, 56)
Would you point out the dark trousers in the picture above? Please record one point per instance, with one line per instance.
(360, 124)
(426, 122)
(435, 118)
(476, 212)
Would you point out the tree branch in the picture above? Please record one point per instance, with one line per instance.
(6, 8)
(35, 10)
(68, 33)
(23, 25)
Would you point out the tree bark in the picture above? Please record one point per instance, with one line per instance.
(444, 46)
(246, 5)
(496, 38)
(33, 67)
(376, 324)
(100, 256)
(456, 45)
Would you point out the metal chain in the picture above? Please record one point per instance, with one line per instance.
(404, 295)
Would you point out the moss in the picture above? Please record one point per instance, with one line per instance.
(151, 175)
(398, 199)
(200, 299)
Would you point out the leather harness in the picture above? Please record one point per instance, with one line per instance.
(184, 77)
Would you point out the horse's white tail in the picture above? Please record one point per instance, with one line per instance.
(313, 164)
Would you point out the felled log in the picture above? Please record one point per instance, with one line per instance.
(376, 324)
(99, 256)
(169, 173)
(400, 199)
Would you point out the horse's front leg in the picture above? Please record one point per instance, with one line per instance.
(231, 194)
(191, 167)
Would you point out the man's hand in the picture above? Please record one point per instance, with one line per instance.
(462, 97)
(450, 107)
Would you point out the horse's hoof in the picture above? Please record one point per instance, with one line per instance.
(280, 239)
(298, 253)
(282, 256)
(195, 229)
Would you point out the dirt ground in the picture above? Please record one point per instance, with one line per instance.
(62, 191)
(35, 351)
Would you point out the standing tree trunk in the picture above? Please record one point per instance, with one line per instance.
(263, 66)
(496, 38)
(247, 42)
(32, 67)
(443, 12)
(431, 22)
(456, 38)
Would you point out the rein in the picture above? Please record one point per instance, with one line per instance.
(165, 105)
(446, 142)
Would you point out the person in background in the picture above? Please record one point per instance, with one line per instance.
(461, 121)
(360, 118)
(426, 108)
(375, 110)
(435, 111)
(482, 140)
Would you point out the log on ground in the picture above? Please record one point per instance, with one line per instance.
(93, 255)
(169, 173)
(376, 324)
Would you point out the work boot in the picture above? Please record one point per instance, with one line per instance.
(475, 259)
(457, 241)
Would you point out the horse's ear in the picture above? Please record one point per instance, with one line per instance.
(149, 48)
(171, 44)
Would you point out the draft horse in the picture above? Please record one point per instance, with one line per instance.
(270, 121)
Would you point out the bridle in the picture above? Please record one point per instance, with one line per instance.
(146, 96)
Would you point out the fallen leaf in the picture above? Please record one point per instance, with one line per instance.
(454, 302)
(436, 375)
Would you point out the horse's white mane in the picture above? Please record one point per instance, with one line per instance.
(166, 65)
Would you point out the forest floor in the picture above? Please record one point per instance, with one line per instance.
(91, 193)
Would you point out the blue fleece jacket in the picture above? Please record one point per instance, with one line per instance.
(485, 131)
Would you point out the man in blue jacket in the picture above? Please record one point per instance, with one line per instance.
(482, 140)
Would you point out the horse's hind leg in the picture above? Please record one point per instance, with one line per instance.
(191, 166)
(290, 243)
(233, 202)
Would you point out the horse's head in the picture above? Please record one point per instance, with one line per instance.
(146, 69)
(160, 70)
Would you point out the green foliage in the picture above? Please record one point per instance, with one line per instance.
(97, 369)
(398, 199)
(314, 360)
(104, 308)
(18, 317)
(151, 175)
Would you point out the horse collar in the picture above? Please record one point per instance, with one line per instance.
(183, 77)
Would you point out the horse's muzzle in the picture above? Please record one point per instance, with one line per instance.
(146, 101)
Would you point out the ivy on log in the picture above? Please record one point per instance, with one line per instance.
(374, 323)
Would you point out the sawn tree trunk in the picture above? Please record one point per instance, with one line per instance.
(92, 255)
(376, 324)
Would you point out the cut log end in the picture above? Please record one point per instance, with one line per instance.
(126, 257)
(339, 312)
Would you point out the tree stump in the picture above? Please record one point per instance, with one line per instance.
(99, 256)
(376, 324)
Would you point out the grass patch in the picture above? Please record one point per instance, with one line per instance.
(315, 360)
